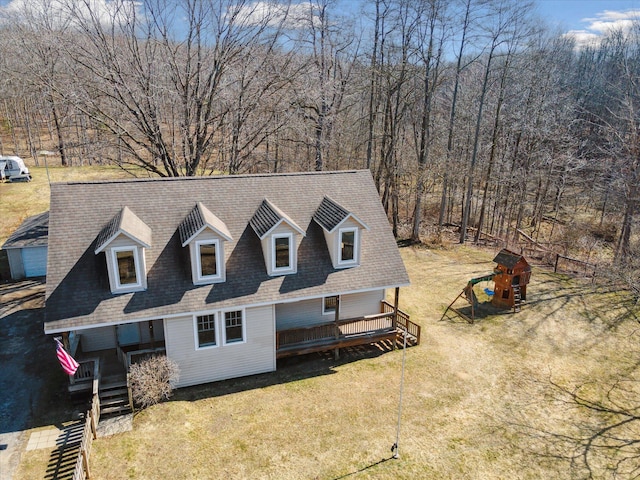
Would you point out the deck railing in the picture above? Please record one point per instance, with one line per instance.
(403, 321)
(347, 331)
(88, 370)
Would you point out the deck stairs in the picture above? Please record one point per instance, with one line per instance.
(114, 396)
(412, 340)
(517, 298)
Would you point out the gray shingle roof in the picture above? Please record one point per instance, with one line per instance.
(267, 217)
(198, 219)
(33, 232)
(330, 214)
(77, 291)
(128, 223)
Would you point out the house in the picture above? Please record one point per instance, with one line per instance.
(27, 248)
(512, 274)
(225, 273)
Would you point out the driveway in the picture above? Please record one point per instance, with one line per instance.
(25, 352)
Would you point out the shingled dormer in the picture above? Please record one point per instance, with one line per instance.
(279, 235)
(205, 235)
(342, 232)
(124, 240)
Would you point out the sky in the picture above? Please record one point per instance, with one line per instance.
(586, 20)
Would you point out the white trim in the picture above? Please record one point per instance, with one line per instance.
(216, 331)
(205, 312)
(292, 257)
(354, 218)
(331, 312)
(356, 247)
(204, 279)
(127, 287)
(223, 321)
(106, 243)
(280, 222)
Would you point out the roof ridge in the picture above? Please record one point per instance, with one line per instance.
(208, 177)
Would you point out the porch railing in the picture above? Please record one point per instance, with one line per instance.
(382, 322)
(88, 371)
(412, 328)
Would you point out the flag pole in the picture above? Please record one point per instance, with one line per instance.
(396, 446)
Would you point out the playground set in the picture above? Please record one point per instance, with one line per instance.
(510, 276)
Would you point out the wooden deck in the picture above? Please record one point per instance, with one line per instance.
(347, 333)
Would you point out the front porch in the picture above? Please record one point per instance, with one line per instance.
(389, 325)
(109, 365)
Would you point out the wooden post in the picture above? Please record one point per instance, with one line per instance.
(94, 426)
(336, 352)
(555, 268)
(129, 392)
(85, 462)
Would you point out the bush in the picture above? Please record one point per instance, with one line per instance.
(153, 379)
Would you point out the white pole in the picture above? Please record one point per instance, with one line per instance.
(396, 446)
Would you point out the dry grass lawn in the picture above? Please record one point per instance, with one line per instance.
(479, 400)
(21, 199)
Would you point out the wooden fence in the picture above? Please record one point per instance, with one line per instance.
(577, 266)
(89, 434)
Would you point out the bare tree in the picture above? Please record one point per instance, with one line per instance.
(160, 90)
(431, 36)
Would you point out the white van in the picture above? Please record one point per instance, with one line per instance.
(13, 169)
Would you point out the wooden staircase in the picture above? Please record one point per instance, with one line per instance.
(517, 298)
(114, 396)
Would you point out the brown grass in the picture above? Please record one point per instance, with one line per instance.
(21, 200)
(476, 401)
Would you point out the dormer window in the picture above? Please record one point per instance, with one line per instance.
(124, 241)
(282, 252)
(209, 268)
(278, 234)
(348, 245)
(342, 232)
(126, 261)
(205, 234)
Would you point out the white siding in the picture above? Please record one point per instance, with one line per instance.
(300, 314)
(98, 338)
(256, 355)
(361, 304)
(309, 312)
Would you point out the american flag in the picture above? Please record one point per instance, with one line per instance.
(69, 365)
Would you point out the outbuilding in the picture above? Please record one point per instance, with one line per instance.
(27, 248)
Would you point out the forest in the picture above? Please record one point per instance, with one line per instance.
(474, 116)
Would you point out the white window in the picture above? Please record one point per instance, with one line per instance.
(234, 331)
(329, 305)
(127, 266)
(283, 253)
(209, 261)
(348, 254)
(206, 331)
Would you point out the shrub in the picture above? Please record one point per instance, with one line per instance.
(153, 379)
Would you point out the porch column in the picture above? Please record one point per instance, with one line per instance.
(336, 352)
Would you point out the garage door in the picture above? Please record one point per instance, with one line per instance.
(34, 260)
